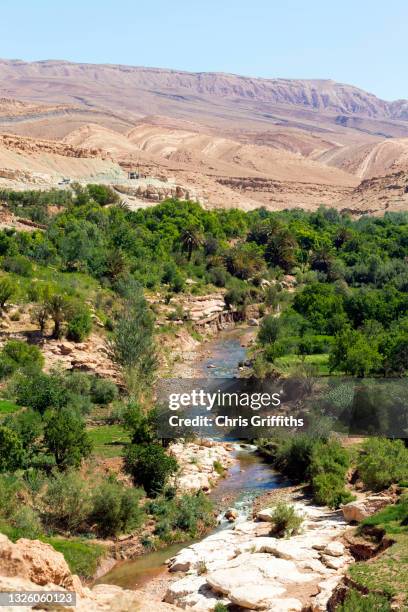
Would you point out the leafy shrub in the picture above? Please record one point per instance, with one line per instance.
(65, 437)
(103, 391)
(7, 289)
(328, 490)
(286, 521)
(115, 509)
(236, 296)
(67, 501)
(28, 426)
(218, 276)
(269, 330)
(10, 495)
(293, 457)
(103, 194)
(192, 512)
(17, 354)
(38, 390)
(383, 462)
(330, 457)
(328, 466)
(189, 513)
(149, 466)
(27, 522)
(18, 265)
(79, 324)
(12, 453)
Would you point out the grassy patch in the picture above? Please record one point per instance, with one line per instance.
(108, 440)
(288, 362)
(82, 557)
(8, 407)
(387, 574)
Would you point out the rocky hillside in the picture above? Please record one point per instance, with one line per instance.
(316, 94)
(141, 91)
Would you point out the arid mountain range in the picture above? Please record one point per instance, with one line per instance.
(238, 141)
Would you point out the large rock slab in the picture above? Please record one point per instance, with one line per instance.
(357, 511)
(247, 568)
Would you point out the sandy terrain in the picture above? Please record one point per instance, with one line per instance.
(232, 141)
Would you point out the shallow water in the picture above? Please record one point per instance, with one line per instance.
(245, 480)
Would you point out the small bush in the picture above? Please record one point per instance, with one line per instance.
(17, 354)
(218, 276)
(27, 522)
(383, 462)
(38, 390)
(10, 493)
(103, 391)
(220, 607)
(18, 265)
(149, 466)
(293, 457)
(116, 509)
(12, 455)
(7, 289)
(191, 514)
(328, 490)
(67, 502)
(286, 521)
(79, 324)
(219, 468)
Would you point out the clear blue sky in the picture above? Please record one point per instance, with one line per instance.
(361, 42)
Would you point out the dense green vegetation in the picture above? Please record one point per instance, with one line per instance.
(351, 303)
(316, 459)
(322, 462)
(333, 295)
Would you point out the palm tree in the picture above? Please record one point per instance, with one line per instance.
(191, 239)
(280, 250)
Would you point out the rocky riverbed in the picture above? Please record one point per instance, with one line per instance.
(247, 567)
(202, 464)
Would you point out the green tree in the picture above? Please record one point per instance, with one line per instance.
(11, 450)
(132, 345)
(6, 291)
(269, 330)
(191, 239)
(57, 307)
(354, 354)
(245, 260)
(281, 249)
(28, 426)
(149, 466)
(39, 391)
(65, 437)
(103, 194)
(139, 424)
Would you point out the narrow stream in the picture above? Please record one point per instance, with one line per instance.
(248, 478)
